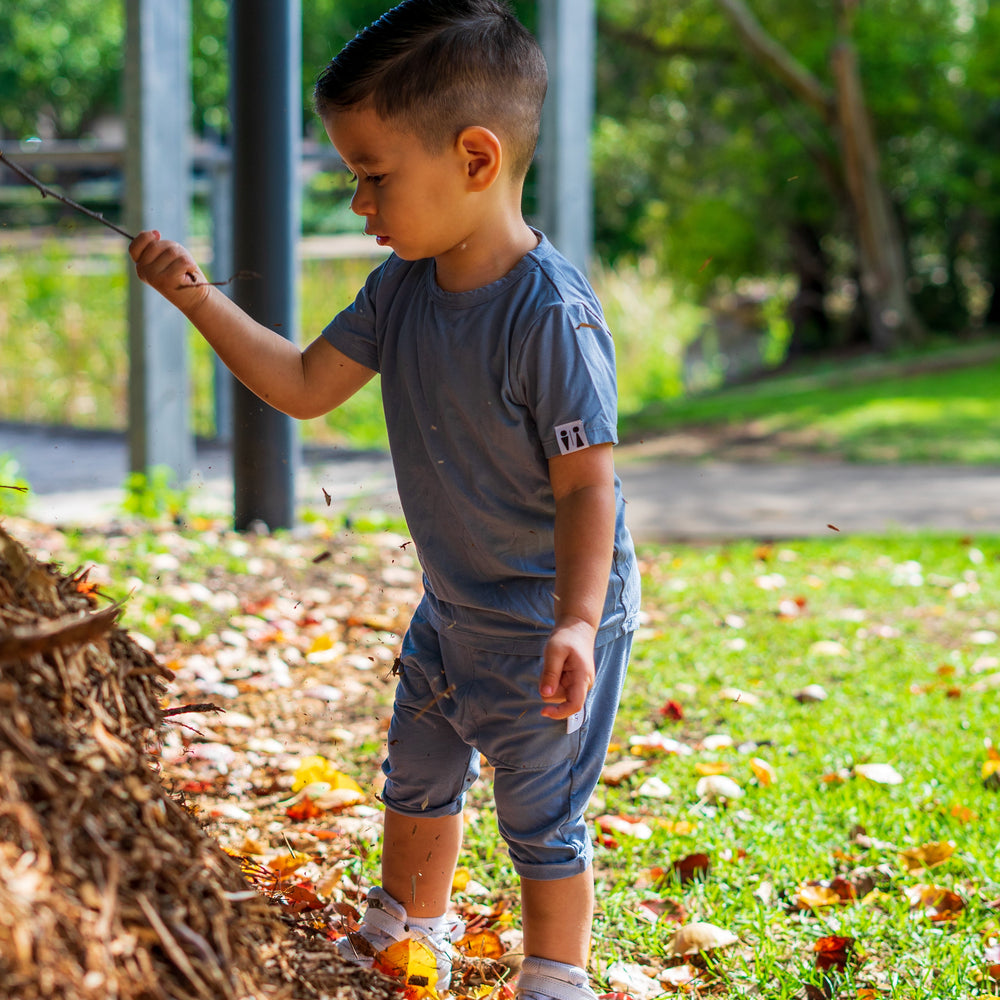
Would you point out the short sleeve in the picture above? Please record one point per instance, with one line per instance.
(352, 330)
(568, 380)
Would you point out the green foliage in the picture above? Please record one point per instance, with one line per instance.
(14, 488)
(155, 497)
(700, 154)
(61, 65)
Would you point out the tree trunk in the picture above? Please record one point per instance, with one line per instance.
(811, 328)
(892, 319)
(889, 311)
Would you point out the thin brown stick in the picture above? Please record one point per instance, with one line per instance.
(47, 192)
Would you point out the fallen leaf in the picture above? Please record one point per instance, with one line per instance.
(937, 903)
(738, 696)
(619, 772)
(763, 772)
(692, 867)
(717, 788)
(712, 767)
(833, 952)
(811, 693)
(483, 944)
(700, 936)
(679, 975)
(654, 788)
(414, 963)
(630, 978)
(930, 855)
(880, 774)
(672, 710)
(828, 647)
(624, 825)
(814, 895)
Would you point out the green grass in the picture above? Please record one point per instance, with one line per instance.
(938, 407)
(900, 632)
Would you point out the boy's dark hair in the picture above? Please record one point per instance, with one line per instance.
(438, 66)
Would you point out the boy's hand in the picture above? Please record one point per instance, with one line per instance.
(568, 671)
(170, 269)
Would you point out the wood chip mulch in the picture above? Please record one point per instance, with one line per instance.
(109, 887)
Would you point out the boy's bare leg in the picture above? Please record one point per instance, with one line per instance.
(557, 916)
(419, 855)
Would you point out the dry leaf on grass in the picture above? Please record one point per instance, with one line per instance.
(700, 936)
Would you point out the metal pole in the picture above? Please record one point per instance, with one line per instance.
(567, 34)
(157, 196)
(267, 114)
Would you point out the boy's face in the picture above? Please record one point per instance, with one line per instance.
(411, 200)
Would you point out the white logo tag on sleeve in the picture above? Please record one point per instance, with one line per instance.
(571, 437)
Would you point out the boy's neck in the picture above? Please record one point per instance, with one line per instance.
(486, 255)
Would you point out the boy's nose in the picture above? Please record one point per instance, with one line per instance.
(361, 204)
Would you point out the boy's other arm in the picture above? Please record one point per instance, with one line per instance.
(302, 384)
(583, 485)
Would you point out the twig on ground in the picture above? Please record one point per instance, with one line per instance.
(47, 192)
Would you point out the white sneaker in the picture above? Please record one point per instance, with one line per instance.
(542, 979)
(385, 922)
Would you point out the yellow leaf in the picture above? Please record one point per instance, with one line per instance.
(318, 769)
(682, 827)
(413, 962)
(712, 767)
(991, 767)
(916, 859)
(460, 879)
(285, 864)
(321, 643)
(762, 771)
(811, 897)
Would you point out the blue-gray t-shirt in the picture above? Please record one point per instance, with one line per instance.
(480, 389)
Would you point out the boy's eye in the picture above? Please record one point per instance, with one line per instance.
(376, 179)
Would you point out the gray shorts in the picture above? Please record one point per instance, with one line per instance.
(454, 702)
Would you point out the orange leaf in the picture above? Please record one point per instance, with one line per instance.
(833, 952)
(762, 771)
(812, 895)
(963, 814)
(302, 897)
(411, 961)
(484, 944)
(305, 808)
(937, 902)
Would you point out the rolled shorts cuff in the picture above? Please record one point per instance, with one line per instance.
(553, 871)
(430, 812)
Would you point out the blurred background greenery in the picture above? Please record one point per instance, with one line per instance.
(728, 239)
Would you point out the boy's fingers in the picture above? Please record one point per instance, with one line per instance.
(139, 244)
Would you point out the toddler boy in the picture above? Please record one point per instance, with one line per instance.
(498, 382)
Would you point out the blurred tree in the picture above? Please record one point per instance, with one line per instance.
(60, 67)
(729, 150)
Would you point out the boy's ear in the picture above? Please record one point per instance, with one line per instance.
(482, 156)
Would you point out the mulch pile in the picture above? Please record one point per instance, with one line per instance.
(109, 887)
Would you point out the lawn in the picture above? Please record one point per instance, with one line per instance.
(845, 687)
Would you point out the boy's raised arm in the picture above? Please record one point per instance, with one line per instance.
(300, 383)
